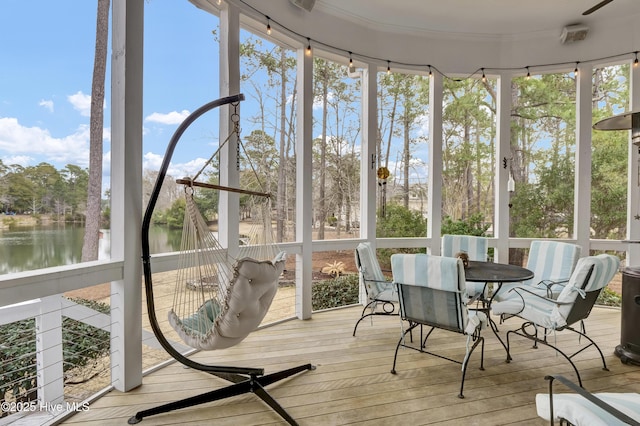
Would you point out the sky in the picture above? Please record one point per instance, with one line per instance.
(46, 64)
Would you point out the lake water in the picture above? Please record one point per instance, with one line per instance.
(29, 248)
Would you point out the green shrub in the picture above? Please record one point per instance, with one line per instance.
(609, 297)
(340, 291)
(474, 225)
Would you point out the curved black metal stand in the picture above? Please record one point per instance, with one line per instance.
(244, 379)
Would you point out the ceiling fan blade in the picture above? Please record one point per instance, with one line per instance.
(596, 7)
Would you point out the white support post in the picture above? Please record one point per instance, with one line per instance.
(49, 356)
(229, 208)
(368, 161)
(304, 189)
(434, 221)
(582, 185)
(633, 180)
(502, 173)
(126, 191)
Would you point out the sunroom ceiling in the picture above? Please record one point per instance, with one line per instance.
(481, 17)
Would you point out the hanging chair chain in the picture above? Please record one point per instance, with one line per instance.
(235, 119)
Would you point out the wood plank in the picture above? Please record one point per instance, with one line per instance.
(352, 383)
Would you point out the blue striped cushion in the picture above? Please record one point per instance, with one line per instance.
(548, 313)
(552, 260)
(605, 267)
(475, 247)
(370, 270)
(432, 289)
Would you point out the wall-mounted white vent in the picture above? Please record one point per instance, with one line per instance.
(304, 4)
(573, 33)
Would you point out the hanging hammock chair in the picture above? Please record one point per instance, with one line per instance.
(219, 299)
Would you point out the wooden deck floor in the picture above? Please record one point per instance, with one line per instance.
(352, 383)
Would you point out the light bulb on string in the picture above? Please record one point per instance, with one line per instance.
(528, 75)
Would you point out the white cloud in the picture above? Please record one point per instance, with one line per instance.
(173, 117)
(22, 160)
(47, 104)
(18, 140)
(81, 103)
(153, 161)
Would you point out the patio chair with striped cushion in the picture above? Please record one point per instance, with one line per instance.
(381, 294)
(544, 315)
(552, 263)
(475, 247)
(432, 293)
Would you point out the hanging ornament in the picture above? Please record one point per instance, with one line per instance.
(383, 174)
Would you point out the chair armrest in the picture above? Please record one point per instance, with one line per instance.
(548, 284)
(588, 396)
(379, 281)
(547, 299)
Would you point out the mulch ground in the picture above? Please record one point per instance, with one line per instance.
(320, 260)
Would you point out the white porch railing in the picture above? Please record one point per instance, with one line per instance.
(38, 294)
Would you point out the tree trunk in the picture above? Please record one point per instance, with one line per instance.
(406, 159)
(94, 192)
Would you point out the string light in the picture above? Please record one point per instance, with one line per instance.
(431, 67)
(484, 78)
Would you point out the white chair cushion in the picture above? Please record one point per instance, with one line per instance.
(378, 287)
(447, 306)
(579, 411)
(249, 297)
(553, 315)
(476, 319)
(550, 261)
(475, 247)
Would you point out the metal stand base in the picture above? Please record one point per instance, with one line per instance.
(241, 384)
(626, 356)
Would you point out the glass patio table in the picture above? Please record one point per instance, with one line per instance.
(494, 274)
